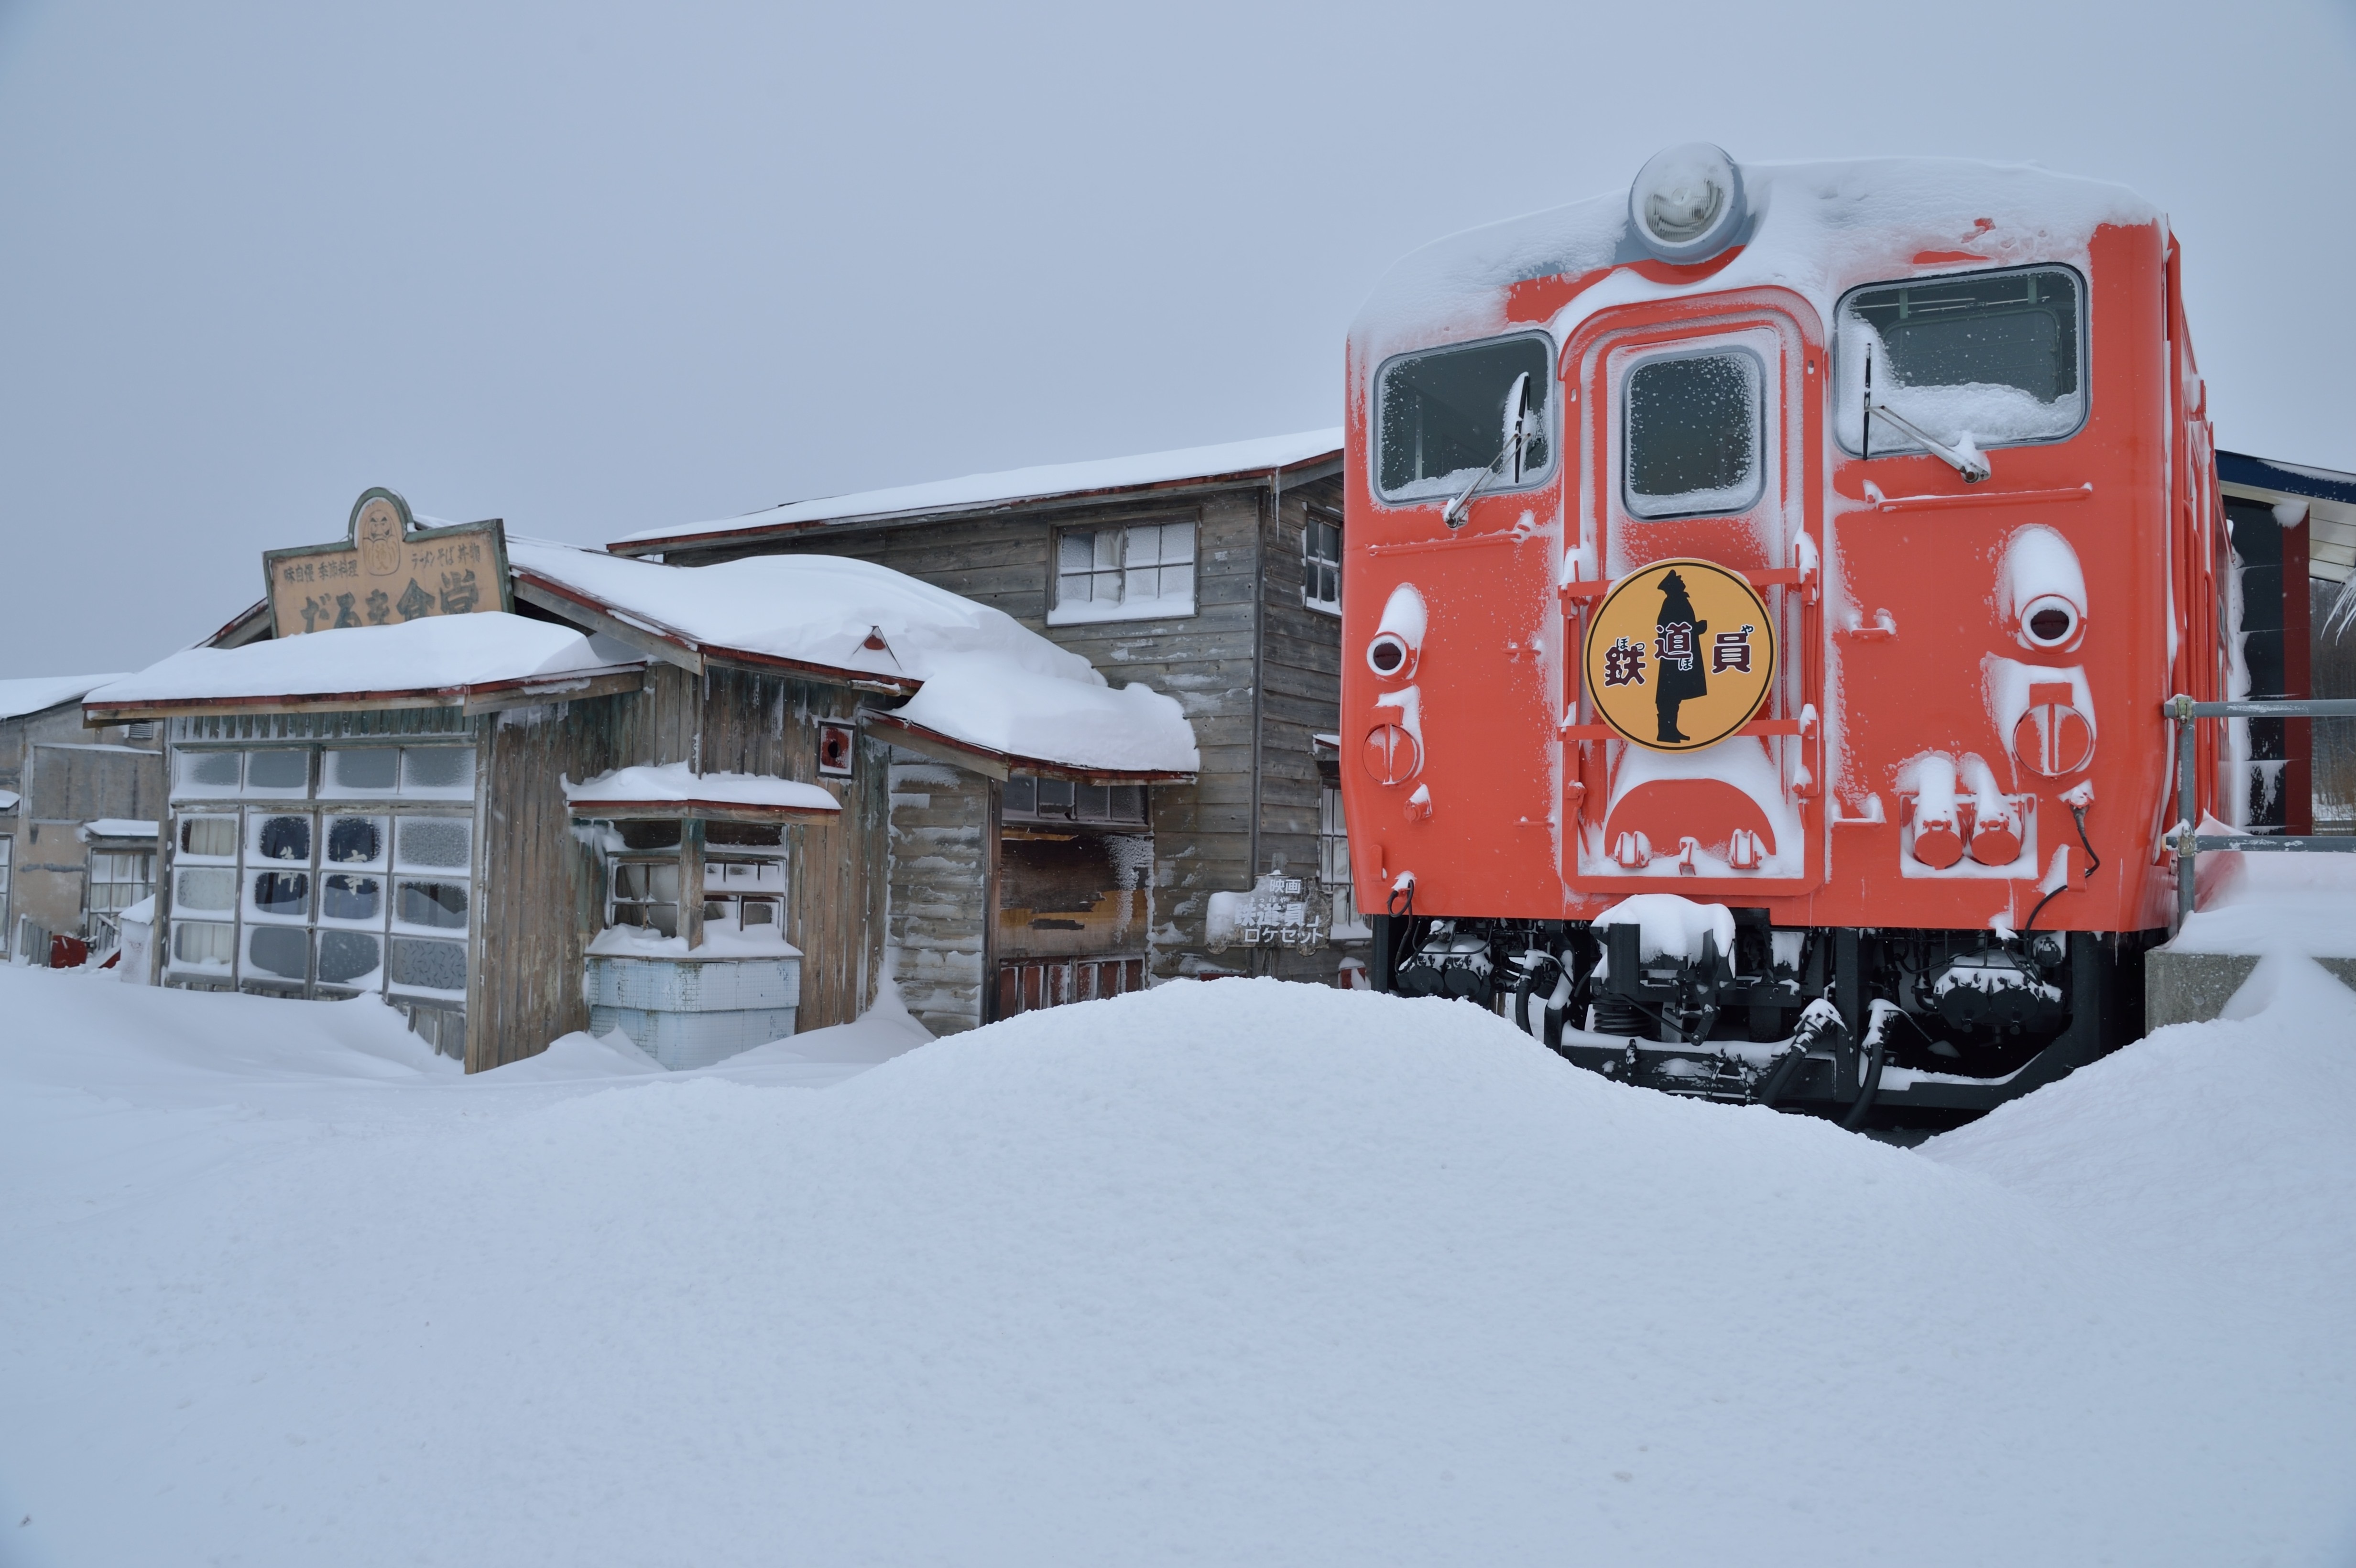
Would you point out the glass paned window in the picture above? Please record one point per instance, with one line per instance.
(119, 878)
(286, 774)
(1029, 797)
(438, 771)
(350, 958)
(208, 837)
(279, 895)
(742, 890)
(278, 953)
(203, 946)
(356, 841)
(1143, 569)
(1320, 563)
(423, 966)
(209, 773)
(344, 896)
(1333, 857)
(1441, 416)
(646, 895)
(7, 846)
(205, 890)
(1998, 357)
(1693, 424)
(373, 770)
(435, 906)
(435, 843)
(278, 836)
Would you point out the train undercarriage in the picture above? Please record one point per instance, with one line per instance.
(1890, 1028)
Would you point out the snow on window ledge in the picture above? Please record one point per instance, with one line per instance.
(1088, 610)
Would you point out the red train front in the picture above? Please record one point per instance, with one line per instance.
(1811, 544)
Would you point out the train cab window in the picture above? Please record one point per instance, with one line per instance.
(1441, 416)
(1693, 435)
(1998, 357)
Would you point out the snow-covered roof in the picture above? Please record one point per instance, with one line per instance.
(676, 789)
(9, 799)
(1816, 229)
(989, 683)
(1191, 464)
(116, 828)
(37, 693)
(445, 660)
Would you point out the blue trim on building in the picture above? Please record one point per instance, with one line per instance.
(2319, 484)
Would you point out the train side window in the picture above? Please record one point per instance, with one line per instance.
(1441, 417)
(1693, 439)
(1998, 357)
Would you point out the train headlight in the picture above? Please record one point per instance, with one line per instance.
(2049, 620)
(1388, 656)
(1687, 204)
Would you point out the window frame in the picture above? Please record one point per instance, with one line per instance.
(1726, 346)
(1008, 813)
(1315, 518)
(1087, 611)
(1904, 445)
(1550, 419)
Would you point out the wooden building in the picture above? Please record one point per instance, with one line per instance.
(78, 814)
(520, 789)
(1211, 574)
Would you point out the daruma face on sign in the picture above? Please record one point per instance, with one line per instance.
(379, 538)
(1680, 655)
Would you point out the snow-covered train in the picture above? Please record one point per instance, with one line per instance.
(1760, 592)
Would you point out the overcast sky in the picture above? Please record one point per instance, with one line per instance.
(595, 268)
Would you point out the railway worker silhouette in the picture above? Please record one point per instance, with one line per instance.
(1677, 650)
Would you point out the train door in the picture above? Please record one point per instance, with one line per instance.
(1691, 753)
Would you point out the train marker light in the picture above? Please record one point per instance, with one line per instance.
(1687, 204)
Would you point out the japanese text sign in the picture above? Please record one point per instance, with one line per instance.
(387, 571)
(1680, 655)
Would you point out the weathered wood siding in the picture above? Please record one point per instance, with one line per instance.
(541, 889)
(1302, 693)
(1203, 833)
(66, 775)
(944, 826)
(837, 878)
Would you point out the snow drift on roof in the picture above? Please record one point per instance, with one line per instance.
(990, 681)
(32, 695)
(116, 828)
(434, 655)
(1032, 483)
(1818, 229)
(981, 703)
(676, 782)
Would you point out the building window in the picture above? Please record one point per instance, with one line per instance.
(1320, 563)
(643, 890)
(6, 845)
(1139, 572)
(329, 889)
(1333, 864)
(118, 879)
(1030, 798)
(745, 878)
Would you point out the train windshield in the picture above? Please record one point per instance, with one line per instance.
(1693, 433)
(1998, 358)
(1441, 416)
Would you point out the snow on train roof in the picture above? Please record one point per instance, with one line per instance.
(980, 490)
(987, 681)
(1816, 229)
(36, 694)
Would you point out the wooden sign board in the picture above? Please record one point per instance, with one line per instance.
(387, 571)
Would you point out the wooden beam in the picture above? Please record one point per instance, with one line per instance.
(486, 697)
(698, 811)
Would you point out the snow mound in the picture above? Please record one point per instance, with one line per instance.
(1238, 1272)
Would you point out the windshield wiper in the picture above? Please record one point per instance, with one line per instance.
(1515, 436)
(1972, 465)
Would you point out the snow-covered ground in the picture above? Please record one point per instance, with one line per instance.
(1238, 1272)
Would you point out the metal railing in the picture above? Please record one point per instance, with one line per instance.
(2187, 840)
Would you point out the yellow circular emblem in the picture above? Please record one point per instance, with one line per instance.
(1680, 655)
